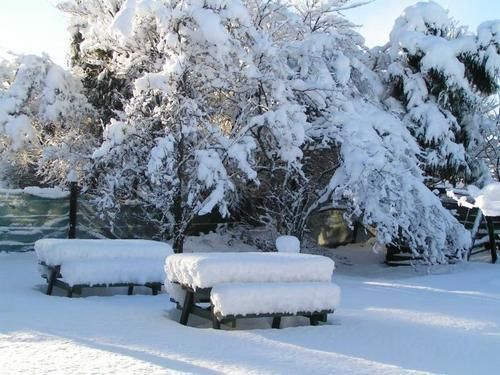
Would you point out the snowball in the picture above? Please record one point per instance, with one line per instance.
(288, 244)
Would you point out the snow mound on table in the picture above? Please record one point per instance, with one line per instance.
(288, 244)
(63, 251)
(261, 298)
(204, 270)
(104, 261)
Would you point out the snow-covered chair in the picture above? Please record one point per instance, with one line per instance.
(238, 285)
(73, 264)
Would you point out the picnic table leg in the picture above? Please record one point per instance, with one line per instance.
(51, 281)
(215, 322)
(155, 289)
(186, 309)
(276, 322)
(70, 292)
(314, 319)
(130, 290)
(323, 317)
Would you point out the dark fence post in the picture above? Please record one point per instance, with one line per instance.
(491, 234)
(73, 208)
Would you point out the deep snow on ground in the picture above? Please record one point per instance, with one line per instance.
(391, 320)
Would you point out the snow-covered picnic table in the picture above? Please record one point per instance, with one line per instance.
(237, 285)
(76, 263)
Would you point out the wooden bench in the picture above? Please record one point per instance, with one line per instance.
(73, 264)
(210, 285)
(313, 300)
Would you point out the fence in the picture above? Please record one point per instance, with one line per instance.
(25, 218)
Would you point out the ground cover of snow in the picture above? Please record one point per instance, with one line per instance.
(391, 321)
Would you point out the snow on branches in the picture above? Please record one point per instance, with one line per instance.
(266, 109)
(442, 74)
(42, 116)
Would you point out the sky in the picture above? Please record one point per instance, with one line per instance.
(36, 26)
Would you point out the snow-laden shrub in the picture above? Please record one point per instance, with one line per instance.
(382, 184)
(45, 120)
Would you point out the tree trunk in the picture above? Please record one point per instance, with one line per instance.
(179, 243)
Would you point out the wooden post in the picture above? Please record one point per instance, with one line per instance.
(73, 208)
(491, 234)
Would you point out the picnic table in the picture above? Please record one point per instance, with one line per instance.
(73, 264)
(224, 287)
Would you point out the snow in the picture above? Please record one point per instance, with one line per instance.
(123, 22)
(342, 67)
(419, 18)
(58, 251)
(213, 176)
(203, 270)
(488, 199)
(19, 130)
(392, 321)
(48, 193)
(105, 261)
(261, 298)
(288, 244)
(114, 134)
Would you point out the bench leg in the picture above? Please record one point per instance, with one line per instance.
(154, 290)
(215, 322)
(70, 292)
(51, 281)
(314, 319)
(186, 309)
(276, 322)
(130, 290)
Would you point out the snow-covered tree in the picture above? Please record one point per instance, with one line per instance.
(45, 121)
(439, 74)
(183, 141)
(355, 153)
(219, 102)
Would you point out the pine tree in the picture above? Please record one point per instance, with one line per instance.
(440, 75)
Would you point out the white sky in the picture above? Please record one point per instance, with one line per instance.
(35, 26)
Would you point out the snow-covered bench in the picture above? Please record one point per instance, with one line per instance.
(311, 299)
(237, 285)
(74, 264)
